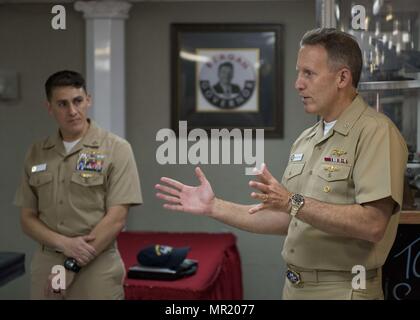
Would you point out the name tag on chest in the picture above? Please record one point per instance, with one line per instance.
(39, 168)
(296, 157)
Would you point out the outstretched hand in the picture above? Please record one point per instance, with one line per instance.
(181, 197)
(273, 194)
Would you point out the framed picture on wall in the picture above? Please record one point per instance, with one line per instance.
(228, 76)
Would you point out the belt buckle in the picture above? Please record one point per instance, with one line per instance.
(294, 277)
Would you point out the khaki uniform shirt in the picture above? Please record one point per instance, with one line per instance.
(72, 192)
(361, 159)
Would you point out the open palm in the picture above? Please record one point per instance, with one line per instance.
(181, 197)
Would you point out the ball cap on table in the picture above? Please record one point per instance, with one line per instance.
(161, 256)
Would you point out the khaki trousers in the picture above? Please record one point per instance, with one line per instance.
(101, 279)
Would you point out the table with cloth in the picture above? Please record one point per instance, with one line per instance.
(219, 274)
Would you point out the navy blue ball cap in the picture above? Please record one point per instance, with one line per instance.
(161, 256)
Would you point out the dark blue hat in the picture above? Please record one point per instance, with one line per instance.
(161, 256)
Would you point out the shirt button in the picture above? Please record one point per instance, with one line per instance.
(296, 224)
(60, 202)
(327, 189)
(310, 172)
(292, 250)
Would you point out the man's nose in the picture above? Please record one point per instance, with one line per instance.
(72, 109)
(299, 84)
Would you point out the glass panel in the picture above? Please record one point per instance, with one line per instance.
(390, 79)
(390, 43)
(401, 107)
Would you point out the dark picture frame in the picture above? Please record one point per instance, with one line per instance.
(227, 76)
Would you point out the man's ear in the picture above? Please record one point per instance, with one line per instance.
(48, 106)
(344, 78)
(89, 100)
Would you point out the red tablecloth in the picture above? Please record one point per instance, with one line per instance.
(219, 274)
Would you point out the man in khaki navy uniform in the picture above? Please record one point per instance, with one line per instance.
(341, 193)
(75, 193)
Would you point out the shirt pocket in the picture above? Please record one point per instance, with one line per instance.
(334, 183)
(87, 193)
(291, 176)
(293, 169)
(42, 183)
(332, 173)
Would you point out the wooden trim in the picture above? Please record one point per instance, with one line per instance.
(410, 217)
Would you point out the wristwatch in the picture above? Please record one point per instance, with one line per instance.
(297, 201)
(71, 265)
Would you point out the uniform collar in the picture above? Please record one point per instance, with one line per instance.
(350, 115)
(344, 122)
(314, 130)
(92, 138)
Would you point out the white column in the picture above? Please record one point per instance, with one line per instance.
(105, 61)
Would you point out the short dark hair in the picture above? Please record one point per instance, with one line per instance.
(341, 47)
(225, 64)
(64, 78)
